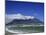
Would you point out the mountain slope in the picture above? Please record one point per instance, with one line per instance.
(22, 19)
(26, 21)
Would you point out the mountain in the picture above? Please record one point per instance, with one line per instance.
(21, 19)
(10, 17)
(26, 21)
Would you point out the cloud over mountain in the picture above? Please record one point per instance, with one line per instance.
(10, 17)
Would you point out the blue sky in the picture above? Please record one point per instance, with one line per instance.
(25, 8)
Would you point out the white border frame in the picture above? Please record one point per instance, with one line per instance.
(29, 0)
(2, 17)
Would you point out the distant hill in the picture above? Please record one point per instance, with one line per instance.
(22, 19)
(26, 21)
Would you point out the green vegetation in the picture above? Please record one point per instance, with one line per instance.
(28, 29)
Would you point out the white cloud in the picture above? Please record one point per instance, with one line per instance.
(10, 17)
